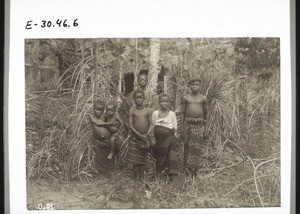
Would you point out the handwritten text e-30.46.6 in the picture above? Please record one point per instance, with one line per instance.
(30, 24)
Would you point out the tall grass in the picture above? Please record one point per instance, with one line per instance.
(63, 150)
(58, 133)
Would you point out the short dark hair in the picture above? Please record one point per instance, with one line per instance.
(138, 91)
(142, 75)
(99, 102)
(113, 103)
(194, 79)
(144, 72)
(163, 95)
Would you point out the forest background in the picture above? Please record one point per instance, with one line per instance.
(240, 77)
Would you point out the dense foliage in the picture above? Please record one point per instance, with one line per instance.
(240, 78)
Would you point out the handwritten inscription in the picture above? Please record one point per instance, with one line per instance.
(59, 23)
(47, 206)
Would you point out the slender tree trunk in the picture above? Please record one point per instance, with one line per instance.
(136, 71)
(154, 67)
(120, 76)
(243, 108)
(170, 87)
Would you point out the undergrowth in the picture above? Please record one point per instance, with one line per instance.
(242, 168)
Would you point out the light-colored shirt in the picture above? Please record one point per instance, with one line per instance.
(170, 121)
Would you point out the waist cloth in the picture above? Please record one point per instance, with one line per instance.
(165, 152)
(134, 154)
(102, 150)
(194, 146)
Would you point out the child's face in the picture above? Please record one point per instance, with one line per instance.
(194, 86)
(110, 110)
(98, 110)
(143, 80)
(139, 99)
(164, 102)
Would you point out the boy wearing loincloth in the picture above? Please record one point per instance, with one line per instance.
(194, 115)
(101, 137)
(165, 126)
(140, 126)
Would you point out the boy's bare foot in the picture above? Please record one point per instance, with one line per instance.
(195, 173)
(135, 175)
(110, 156)
(173, 177)
(141, 177)
(189, 172)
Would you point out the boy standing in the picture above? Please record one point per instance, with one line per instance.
(140, 126)
(101, 138)
(165, 126)
(194, 115)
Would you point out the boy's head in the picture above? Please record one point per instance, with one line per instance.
(139, 96)
(110, 109)
(143, 80)
(194, 84)
(164, 101)
(99, 106)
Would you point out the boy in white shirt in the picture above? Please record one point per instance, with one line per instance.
(165, 126)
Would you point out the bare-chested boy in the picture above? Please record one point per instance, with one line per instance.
(98, 122)
(140, 124)
(194, 115)
(101, 138)
(114, 127)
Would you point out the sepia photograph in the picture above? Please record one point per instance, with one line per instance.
(152, 123)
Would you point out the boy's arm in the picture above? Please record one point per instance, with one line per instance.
(99, 123)
(150, 122)
(183, 110)
(175, 122)
(102, 123)
(92, 119)
(121, 126)
(205, 111)
(130, 118)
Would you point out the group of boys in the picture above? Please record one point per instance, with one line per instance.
(144, 124)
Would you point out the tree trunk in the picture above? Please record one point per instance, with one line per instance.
(170, 88)
(243, 109)
(154, 67)
(136, 69)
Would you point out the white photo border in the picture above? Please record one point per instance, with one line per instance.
(144, 18)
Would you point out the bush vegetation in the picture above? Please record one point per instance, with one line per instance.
(240, 78)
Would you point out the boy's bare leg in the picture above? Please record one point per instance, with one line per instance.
(135, 171)
(112, 148)
(189, 171)
(141, 172)
(195, 173)
(173, 177)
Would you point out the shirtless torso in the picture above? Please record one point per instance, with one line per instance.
(194, 106)
(100, 132)
(140, 119)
